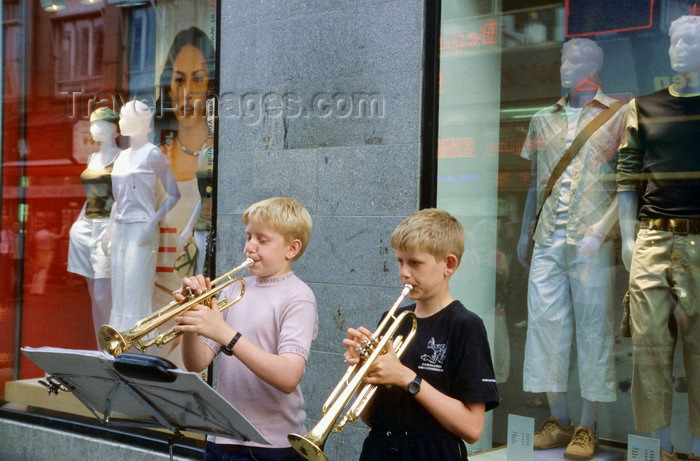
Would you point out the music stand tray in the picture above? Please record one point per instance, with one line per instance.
(177, 401)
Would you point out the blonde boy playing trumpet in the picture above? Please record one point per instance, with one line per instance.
(444, 383)
(266, 336)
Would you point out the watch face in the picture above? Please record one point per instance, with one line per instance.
(414, 387)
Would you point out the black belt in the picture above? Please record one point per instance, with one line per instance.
(678, 225)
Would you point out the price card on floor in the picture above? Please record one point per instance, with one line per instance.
(521, 430)
(642, 448)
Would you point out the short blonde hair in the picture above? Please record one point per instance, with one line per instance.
(434, 231)
(283, 215)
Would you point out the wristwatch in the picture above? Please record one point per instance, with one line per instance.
(228, 349)
(414, 386)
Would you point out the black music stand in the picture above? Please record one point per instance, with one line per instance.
(175, 400)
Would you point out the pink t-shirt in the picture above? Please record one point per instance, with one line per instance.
(277, 314)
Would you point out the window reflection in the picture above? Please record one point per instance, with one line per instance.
(490, 92)
(79, 55)
(59, 68)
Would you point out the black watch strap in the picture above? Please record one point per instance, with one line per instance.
(228, 349)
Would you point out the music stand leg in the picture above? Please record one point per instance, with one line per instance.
(171, 443)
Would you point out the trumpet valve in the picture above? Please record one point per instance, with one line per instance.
(368, 346)
(340, 425)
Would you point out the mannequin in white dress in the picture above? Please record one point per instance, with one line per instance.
(135, 217)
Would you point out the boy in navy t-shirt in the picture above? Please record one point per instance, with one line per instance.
(437, 394)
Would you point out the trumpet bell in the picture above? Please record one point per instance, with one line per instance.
(307, 448)
(111, 341)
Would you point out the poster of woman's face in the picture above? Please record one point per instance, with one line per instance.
(185, 70)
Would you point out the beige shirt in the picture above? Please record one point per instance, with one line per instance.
(593, 185)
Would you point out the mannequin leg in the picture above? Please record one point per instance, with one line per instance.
(589, 413)
(559, 407)
(550, 321)
(133, 275)
(664, 436)
(654, 338)
(695, 445)
(101, 296)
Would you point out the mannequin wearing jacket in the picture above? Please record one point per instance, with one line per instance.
(571, 277)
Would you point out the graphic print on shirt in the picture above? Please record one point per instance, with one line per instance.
(433, 361)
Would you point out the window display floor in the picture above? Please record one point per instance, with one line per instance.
(555, 454)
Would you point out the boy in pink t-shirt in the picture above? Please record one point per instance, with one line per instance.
(266, 336)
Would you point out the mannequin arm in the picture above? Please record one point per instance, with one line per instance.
(627, 211)
(107, 236)
(629, 180)
(527, 226)
(81, 215)
(82, 210)
(159, 163)
(596, 233)
(187, 230)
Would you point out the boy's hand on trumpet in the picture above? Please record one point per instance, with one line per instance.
(204, 320)
(197, 284)
(389, 370)
(354, 343)
(201, 319)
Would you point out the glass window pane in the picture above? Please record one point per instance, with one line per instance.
(67, 75)
(519, 82)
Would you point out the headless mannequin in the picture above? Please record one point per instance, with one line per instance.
(199, 222)
(684, 53)
(579, 74)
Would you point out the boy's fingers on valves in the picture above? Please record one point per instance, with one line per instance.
(357, 340)
(194, 285)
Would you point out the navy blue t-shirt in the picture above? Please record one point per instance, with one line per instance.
(451, 352)
(669, 131)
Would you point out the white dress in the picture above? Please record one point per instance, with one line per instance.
(133, 266)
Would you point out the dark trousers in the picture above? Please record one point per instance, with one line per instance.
(216, 452)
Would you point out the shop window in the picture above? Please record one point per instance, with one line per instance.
(500, 72)
(67, 74)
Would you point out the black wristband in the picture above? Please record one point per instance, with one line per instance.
(228, 349)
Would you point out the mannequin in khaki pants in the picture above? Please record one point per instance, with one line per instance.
(661, 141)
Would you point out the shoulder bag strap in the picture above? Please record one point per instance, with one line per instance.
(571, 152)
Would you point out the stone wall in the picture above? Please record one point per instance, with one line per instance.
(321, 102)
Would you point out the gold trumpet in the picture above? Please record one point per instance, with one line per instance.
(115, 342)
(310, 446)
